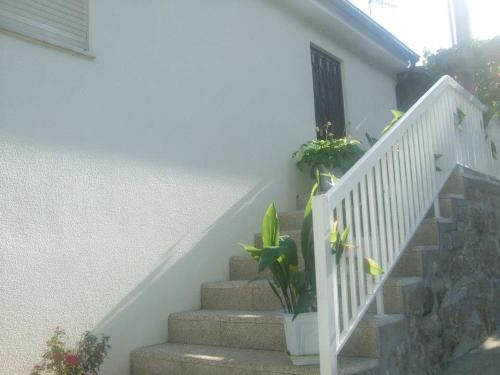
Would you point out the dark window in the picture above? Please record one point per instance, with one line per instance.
(328, 100)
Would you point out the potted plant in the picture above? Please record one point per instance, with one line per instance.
(328, 156)
(294, 287)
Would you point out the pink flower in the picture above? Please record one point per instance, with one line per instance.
(72, 360)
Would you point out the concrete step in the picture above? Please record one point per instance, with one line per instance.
(291, 220)
(455, 183)
(417, 261)
(430, 230)
(182, 359)
(237, 329)
(408, 296)
(463, 178)
(449, 203)
(375, 336)
(404, 295)
(239, 295)
(256, 330)
(246, 268)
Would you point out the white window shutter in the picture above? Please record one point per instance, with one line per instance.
(61, 22)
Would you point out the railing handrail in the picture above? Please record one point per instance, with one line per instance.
(406, 120)
(384, 197)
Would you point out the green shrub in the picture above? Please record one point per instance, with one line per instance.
(340, 153)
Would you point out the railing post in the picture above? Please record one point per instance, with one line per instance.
(380, 302)
(437, 209)
(326, 282)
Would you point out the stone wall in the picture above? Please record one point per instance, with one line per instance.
(459, 305)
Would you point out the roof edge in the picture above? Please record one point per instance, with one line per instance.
(370, 28)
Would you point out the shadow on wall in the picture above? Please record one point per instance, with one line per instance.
(141, 318)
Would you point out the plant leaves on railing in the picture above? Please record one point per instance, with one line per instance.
(372, 267)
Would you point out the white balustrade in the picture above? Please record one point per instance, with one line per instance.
(383, 199)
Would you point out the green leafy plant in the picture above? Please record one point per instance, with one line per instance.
(371, 140)
(436, 158)
(296, 289)
(396, 116)
(327, 152)
(279, 254)
(340, 153)
(460, 116)
(85, 359)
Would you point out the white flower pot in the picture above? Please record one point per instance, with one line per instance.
(302, 338)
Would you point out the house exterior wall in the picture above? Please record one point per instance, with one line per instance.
(128, 180)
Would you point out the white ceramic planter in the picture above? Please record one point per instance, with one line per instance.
(302, 338)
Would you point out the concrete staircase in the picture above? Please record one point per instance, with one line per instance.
(239, 328)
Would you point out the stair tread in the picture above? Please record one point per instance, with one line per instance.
(290, 220)
(424, 248)
(249, 359)
(442, 220)
(239, 295)
(295, 212)
(404, 280)
(259, 283)
(246, 316)
(270, 317)
(452, 196)
(289, 232)
(378, 321)
(242, 257)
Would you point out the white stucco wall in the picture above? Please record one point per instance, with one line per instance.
(126, 181)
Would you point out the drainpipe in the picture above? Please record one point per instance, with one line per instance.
(461, 37)
(459, 22)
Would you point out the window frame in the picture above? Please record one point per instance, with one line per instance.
(47, 41)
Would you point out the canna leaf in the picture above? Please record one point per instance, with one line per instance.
(372, 267)
(371, 140)
(334, 238)
(461, 116)
(252, 250)
(396, 116)
(288, 250)
(270, 227)
(268, 256)
(298, 280)
(438, 156)
(343, 238)
(275, 291)
(308, 209)
(304, 304)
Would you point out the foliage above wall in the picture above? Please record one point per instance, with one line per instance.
(475, 66)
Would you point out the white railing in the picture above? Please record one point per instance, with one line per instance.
(383, 199)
